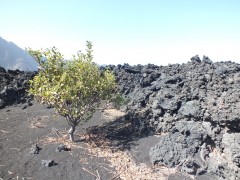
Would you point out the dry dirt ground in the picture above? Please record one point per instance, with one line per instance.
(104, 149)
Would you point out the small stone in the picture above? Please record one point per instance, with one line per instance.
(61, 147)
(48, 163)
(35, 149)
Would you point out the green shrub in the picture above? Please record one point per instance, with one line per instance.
(74, 88)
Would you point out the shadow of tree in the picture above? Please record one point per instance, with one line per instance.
(119, 134)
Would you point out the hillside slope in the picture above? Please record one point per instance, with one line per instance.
(13, 57)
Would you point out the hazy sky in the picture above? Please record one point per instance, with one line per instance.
(127, 31)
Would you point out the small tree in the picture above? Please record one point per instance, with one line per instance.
(74, 88)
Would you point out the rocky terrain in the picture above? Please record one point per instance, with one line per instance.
(13, 87)
(193, 108)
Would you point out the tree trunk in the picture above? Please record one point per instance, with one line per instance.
(70, 132)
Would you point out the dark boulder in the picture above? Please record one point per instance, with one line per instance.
(179, 148)
(191, 109)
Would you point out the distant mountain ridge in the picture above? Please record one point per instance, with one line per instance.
(13, 57)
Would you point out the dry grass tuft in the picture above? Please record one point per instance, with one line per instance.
(38, 122)
(127, 168)
(112, 114)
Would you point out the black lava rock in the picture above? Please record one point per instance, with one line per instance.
(48, 163)
(35, 149)
(13, 86)
(61, 147)
(196, 104)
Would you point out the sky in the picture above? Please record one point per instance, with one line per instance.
(160, 32)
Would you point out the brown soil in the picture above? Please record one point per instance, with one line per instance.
(103, 149)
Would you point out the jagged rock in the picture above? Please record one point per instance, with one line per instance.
(206, 60)
(13, 86)
(196, 59)
(35, 149)
(228, 160)
(48, 163)
(168, 104)
(200, 92)
(191, 109)
(62, 147)
(180, 147)
(221, 70)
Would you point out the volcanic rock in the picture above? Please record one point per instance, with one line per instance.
(196, 105)
(48, 163)
(13, 87)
